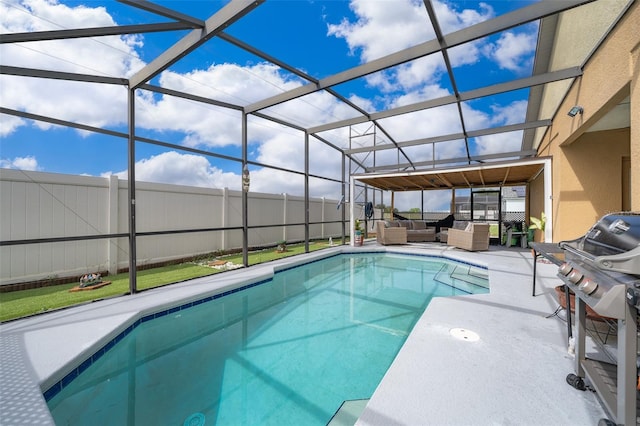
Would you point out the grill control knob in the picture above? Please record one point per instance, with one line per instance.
(588, 286)
(574, 276)
(633, 297)
(565, 268)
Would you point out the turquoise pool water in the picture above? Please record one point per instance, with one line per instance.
(288, 351)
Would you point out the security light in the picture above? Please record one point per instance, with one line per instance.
(575, 111)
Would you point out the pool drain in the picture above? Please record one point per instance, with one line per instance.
(196, 419)
(464, 334)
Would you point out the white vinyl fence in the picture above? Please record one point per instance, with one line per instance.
(35, 205)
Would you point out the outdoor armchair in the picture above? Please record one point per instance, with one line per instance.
(474, 237)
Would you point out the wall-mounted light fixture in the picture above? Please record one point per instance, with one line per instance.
(575, 111)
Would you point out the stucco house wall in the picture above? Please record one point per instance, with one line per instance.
(587, 166)
(588, 180)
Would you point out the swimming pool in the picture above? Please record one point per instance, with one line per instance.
(285, 351)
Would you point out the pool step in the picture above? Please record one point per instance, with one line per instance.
(348, 413)
(464, 278)
(471, 275)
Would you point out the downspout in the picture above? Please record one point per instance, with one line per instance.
(548, 201)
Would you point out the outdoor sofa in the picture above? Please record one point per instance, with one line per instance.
(386, 235)
(417, 230)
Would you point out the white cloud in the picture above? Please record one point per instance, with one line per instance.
(501, 115)
(513, 51)
(513, 113)
(20, 163)
(283, 150)
(451, 149)
(452, 19)
(113, 56)
(182, 169)
(409, 78)
(9, 124)
(91, 104)
(311, 110)
(430, 91)
(232, 83)
(425, 123)
(195, 170)
(502, 142)
(379, 30)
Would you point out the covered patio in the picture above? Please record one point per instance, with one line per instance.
(494, 175)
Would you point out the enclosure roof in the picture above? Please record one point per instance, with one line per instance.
(377, 108)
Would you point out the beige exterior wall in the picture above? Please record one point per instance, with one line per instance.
(587, 181)
(578, 32)
(536, 201)
(634, 175)
(587, 166)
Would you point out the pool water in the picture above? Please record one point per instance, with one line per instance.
(286, 352)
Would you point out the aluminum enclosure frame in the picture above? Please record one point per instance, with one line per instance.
(203, 30)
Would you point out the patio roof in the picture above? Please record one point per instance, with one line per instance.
(485, 175)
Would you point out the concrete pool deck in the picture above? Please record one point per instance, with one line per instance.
(514, 374)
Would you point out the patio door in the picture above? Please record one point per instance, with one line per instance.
(485, 207)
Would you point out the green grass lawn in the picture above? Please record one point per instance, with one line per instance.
(23, 303)
(267, 255)
(18, 304)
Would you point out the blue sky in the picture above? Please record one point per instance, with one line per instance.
(320, 38)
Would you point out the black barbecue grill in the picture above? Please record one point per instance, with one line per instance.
(602, 269)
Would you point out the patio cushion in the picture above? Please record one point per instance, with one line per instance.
(405, 224)
(419, 224)
(459, 224)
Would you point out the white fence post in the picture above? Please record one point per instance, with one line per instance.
(322, 231)
(225, 217)
(285, 208)
(113, 208)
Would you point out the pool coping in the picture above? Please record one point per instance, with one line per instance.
(47, 349)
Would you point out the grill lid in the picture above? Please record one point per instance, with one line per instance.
(613, 234)
(612, 243)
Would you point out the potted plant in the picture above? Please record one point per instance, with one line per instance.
(358, 233)
(538, 224)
